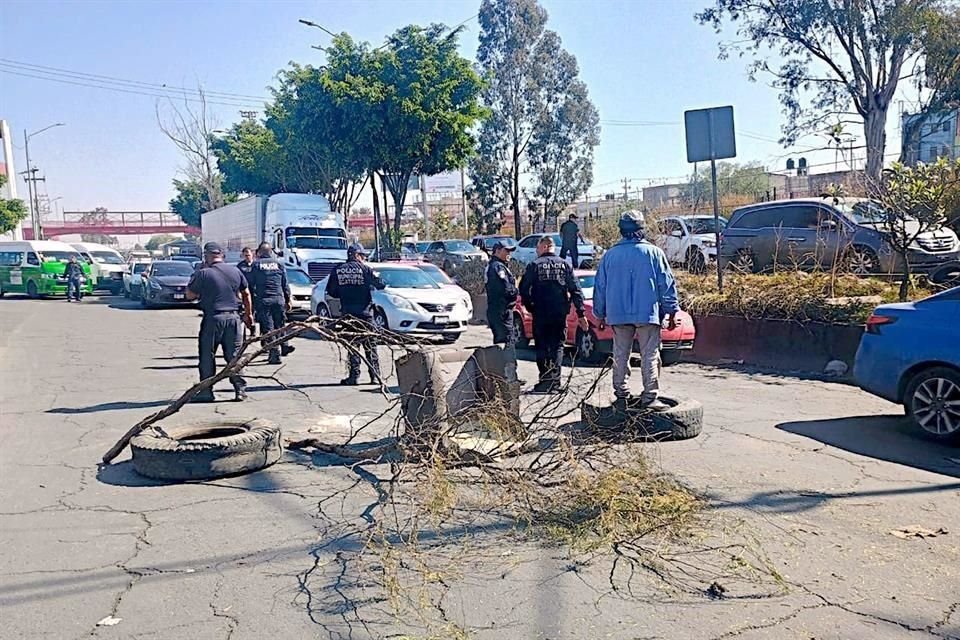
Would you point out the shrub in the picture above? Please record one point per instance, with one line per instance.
(472, 276)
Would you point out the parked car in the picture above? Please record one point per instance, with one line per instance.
(441, 278)
(106, 266)
(811, 233)
(131, 279)
(405, 254)
(449, 254)
(527, 250)
(596, 345)
(910, 355)
(485, 243)
(412, 303)
(301, 288)
(165, 283)
(690, 241)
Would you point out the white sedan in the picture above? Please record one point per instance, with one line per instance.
(412, 303)
(301, 288)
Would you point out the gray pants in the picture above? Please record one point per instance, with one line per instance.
(224, 331)
(647, 337)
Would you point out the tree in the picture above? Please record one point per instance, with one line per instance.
(12, 212)
(251, 161)
(96, 217)
(191, 201)
(156, 241)
(915, 201)
(732, 178)
(833, 55)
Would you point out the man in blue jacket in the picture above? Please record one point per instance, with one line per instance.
(633, 291)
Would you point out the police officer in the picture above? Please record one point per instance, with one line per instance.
(218, 286)
(73, 272)
(501, 299)
(547, 288)
(352, 283)
(245, 266)
(271, 296)
(569, 237)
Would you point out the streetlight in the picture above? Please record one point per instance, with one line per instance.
(31, 189)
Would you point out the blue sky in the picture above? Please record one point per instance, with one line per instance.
(643, 60)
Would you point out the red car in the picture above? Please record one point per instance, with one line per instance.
(596, 345)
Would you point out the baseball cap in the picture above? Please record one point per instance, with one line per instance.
(212, 247)
(355, 249)
(500, 245)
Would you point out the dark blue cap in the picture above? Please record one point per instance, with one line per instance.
(356, 249)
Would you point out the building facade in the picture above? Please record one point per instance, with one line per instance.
(929, 136)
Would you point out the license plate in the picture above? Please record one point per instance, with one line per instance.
(441, 319)
(179, 296)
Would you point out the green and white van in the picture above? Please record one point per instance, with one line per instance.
(106, 265)
(36, 267)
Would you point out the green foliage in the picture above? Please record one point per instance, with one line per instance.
(472, 275)
(12, 212)
(250, 159)
(155, 241)
(941, 63)
(191, 200)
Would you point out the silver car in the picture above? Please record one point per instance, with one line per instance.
(450, 254)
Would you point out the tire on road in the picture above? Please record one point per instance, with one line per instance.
(681, 421)
(206, 450)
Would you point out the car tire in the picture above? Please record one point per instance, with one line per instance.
(861, 261)
(695, 262)
(681, 420)
(670, 357)
(586, 347)
(207, 450)
(380, 320)
(523, 340)
(744, 262)
(32, 291)
(925, 400)
(322, 311)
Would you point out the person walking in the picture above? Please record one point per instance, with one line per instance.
(633, 291)
(547, 289)
(219, 287)
(271, 297)
(353, 283)
(569, 237)
(246, 266)
(502, 292)
(73, 272)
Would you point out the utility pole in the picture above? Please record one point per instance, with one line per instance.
(463, 203)
(626, 187)
(32, 179)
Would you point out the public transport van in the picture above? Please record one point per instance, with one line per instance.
(107, 266)
(36, 268)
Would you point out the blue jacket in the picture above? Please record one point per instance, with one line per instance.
(634, 285)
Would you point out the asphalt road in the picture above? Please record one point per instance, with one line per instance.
(815, 474)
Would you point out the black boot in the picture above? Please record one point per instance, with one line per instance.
(287, 349)
(349, 381)
(274, 358)
(240, 394)
(203, 396)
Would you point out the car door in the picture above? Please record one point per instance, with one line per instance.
(527, 250)
(672, 239)
(798, 234)
(834, 236)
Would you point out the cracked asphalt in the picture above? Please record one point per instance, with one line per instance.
(815, 473)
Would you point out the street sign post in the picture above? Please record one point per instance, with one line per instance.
(710, 136)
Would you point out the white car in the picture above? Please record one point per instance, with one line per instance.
(301, 288)
(526, 251)
(131, 279)
(690, 241)
(412, 303)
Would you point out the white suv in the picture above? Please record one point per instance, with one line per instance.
(690, 241)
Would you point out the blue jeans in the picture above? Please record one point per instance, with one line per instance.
(73, 289)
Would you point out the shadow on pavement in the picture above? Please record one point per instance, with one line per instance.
(121, 474)
(190, 357)
(891, 438)
(167, 367)
(582, 433)
(799, 501)
(110, 406)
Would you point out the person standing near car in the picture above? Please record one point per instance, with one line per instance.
(219, 287)
(271, 296)
(569, 237)
(246, 266)
(502, 293)
(73, 272)
(633, 291)
(547, 289)
(353, 283)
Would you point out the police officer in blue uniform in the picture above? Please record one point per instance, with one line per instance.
(502, 291)
(547, 289)
(353, 283)
(218, 286)
(271, 295)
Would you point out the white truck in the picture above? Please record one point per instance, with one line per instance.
(303, 230)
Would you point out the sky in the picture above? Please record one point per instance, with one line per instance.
(644, 62)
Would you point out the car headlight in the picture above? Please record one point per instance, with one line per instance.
(401, 303)
(709, 243)
(47, 276)
(155, 285)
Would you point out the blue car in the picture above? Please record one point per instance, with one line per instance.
(910, 354)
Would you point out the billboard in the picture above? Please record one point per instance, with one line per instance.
(446, 182)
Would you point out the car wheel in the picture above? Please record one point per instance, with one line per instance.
(523, 340)
(587, 350)
(322, 311)
(932, 399)
(695, 262)
(670, 356)
(861, 261)
(32, 290)
(744, 262)
(380, 320)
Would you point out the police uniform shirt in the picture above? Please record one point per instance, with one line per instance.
(268, 280)
(549, 286)
(217, 286)
(501, 286)
(351, 283)
(245, 268)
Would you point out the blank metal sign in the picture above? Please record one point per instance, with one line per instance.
(709, 134)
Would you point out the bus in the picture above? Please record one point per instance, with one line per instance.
(36, 267)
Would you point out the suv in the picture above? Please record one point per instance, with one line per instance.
(449, 254)
(527, 250)
(485, 243)
(690, 241)
(812, 233)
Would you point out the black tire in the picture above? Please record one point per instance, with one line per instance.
(671, 356)
(861, 261)
(586, 346)
(695, 262)
(683, 420)
(523, 340)
(32, 290)
(930, 412)
(945, 275)
(744, 262)
(207, 450)
(380, 320)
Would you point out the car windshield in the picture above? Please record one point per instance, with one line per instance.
(506, 241)
(704, 225)
(435, 273)
(295, 276)
(310, 238)
(407, 279)
(586, 282)
(171, 268)
(106, 257)
(864, 212)
(60, 256)
(140, 267)
(458, 245)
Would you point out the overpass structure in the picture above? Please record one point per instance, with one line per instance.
(113, 223)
